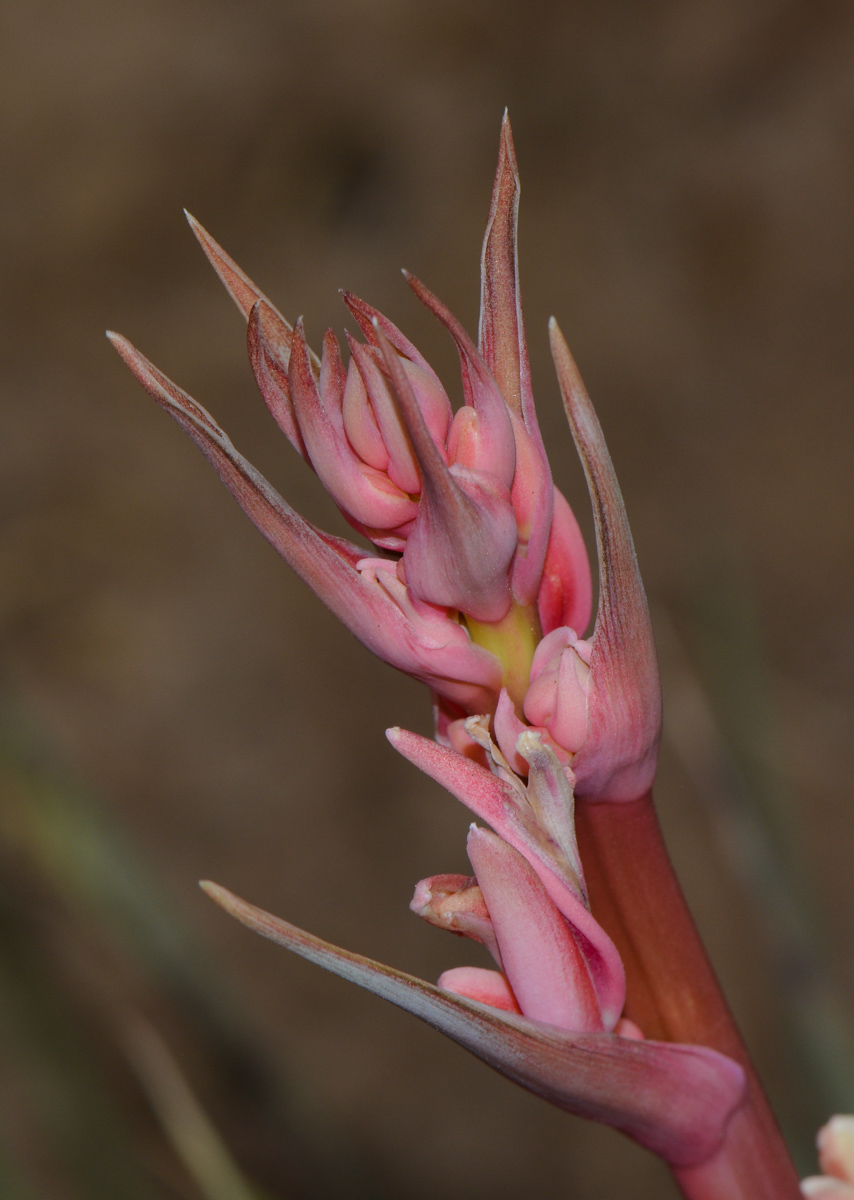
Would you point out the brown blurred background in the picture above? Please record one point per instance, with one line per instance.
(688, 215)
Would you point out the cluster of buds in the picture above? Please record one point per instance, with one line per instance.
(478, 584)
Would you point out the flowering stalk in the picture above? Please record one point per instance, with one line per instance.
(600, 998)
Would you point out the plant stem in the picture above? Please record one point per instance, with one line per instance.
(672, 991)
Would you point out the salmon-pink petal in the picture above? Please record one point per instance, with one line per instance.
(566, 588)
(269, 338)
(360, 424)
(480, 391)
(627, 1029)
(432, 396)
(462, 544)
(618, 759)
(676, 1100)
(481, 985)
(557, 696)
(438, 653)
(455, 903)
(365, 494)
(539, 955)
(533, 499)
(506, 809)
(332, 379)
(402, 462)
(465, 441)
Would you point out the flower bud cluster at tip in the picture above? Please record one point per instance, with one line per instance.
(480, 582)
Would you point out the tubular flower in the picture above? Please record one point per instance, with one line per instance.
(478, 584)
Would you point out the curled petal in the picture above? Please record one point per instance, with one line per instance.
(675, 1100)
(480, 391)
(566, 589)
(618, 758)
(505, 807)
(455, 903)
(367, 495)
(539, 955)
(460, 549)
(477, 983)
(439, 654)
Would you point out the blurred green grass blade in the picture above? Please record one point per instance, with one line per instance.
(189, 1129)
(71, 1125)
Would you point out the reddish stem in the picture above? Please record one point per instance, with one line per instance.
(672, 991)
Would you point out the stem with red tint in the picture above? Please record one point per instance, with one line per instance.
(672, 991)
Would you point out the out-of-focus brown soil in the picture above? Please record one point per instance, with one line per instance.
(687, 214)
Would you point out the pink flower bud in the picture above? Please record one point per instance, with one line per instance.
(557, 698)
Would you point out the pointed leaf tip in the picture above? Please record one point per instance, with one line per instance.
(618, 758)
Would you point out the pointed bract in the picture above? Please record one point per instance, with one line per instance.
(619, 756)
(438, 652)
(237, 283)
(269, 339)
(675, 1100)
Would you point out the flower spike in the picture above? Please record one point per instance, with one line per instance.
(675, 1100)
(619, 755)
